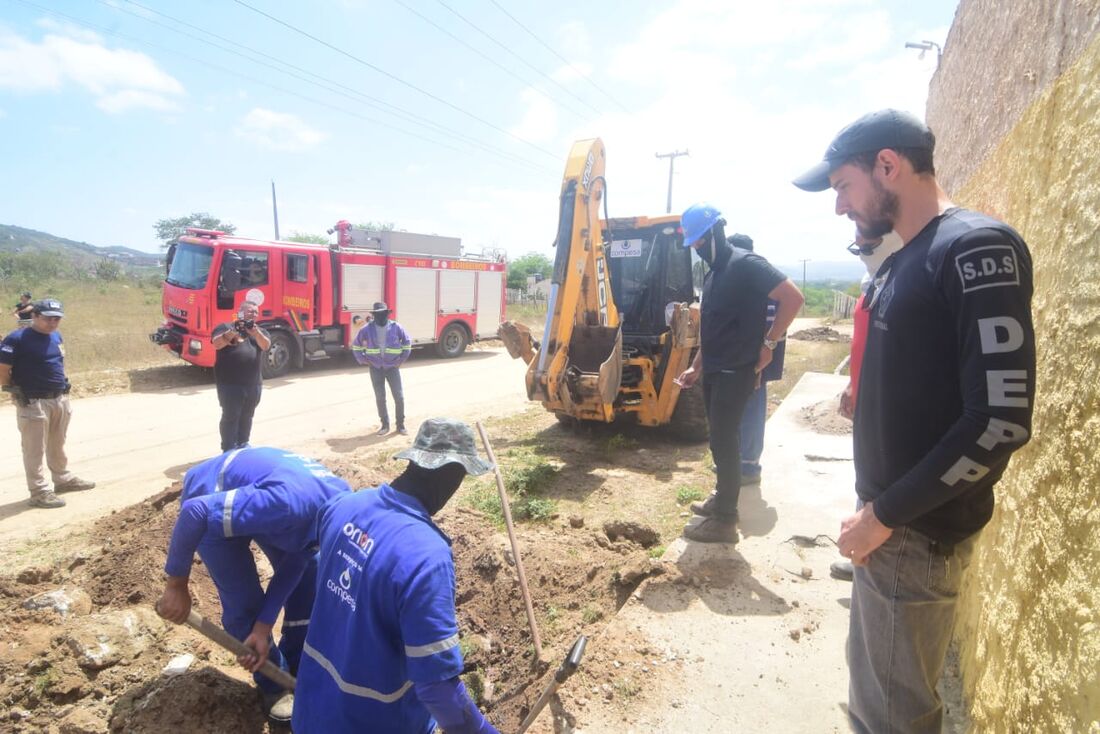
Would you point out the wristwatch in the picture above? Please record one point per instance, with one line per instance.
(770, 343)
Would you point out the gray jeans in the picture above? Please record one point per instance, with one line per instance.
(903, 610)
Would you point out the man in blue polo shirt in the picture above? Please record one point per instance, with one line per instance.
(270, 496)
(32, 369)
(382, 650)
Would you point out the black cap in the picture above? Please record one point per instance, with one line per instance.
(26, 294)
(379, 306)
(48, 307)
(872, 132)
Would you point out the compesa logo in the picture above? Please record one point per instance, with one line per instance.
(340, 588)
(987, 267)
(362, 541)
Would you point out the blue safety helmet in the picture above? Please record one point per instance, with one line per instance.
(697, 220)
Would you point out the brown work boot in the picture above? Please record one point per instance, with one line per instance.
(714, 529)
(708, 507)
(76, 484)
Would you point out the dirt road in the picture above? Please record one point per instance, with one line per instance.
(133, 445)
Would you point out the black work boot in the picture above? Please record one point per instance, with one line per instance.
(714, 529)
(706, 508)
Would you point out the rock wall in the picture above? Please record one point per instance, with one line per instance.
(998, 57)
(1017, 114)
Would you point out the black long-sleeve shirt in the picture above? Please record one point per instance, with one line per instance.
(947, 383)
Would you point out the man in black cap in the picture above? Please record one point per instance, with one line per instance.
(386, 594)
(945, 397)
(32, 369)
(24, 309)
(384, 345)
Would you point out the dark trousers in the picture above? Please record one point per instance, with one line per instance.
(238, 406)
(725, 395)
(378, 378)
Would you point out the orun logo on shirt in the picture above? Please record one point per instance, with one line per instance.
(359, 537)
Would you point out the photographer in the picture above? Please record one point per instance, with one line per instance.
(240, 346)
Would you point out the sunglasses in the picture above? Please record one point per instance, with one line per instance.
(867, 248)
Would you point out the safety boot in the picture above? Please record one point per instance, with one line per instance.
(76, 484)
(714, 529)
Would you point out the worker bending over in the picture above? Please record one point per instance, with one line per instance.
(382, 650)
(270, 496)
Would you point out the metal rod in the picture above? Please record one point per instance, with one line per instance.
(515, 544)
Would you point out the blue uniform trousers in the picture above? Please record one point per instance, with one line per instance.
(230, 564)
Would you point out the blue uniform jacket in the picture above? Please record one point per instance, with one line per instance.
(393, 353)
(270, 495)
(383, 619)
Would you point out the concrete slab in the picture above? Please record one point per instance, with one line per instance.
(755, 640)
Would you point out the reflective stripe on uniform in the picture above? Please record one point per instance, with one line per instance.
(423, 651)
(399, 350)
(295, 623)
(225, 465)
(227, 514)
(351, 688)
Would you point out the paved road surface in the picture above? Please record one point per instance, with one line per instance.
(135, 444)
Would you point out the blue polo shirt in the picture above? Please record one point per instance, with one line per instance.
(269, 495)
(383, 620)
(37, 360)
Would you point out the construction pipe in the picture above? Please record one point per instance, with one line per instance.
(515, 545)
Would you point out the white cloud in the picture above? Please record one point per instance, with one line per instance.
(540, 120)
(120, 79)
(279, 131)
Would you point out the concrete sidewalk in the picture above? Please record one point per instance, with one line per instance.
(754, 641)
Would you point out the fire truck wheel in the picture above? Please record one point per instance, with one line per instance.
(452, 342)
(276, 362)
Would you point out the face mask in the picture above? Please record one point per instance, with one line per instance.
(381, 318)
(891, 243)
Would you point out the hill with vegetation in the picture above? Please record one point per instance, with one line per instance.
(20, 240)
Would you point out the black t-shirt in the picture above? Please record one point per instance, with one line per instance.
(237, 364)
(20, 313)
(948, 376)
(734, 310)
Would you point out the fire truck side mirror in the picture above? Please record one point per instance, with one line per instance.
(231, 272)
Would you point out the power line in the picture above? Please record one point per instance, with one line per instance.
(326, 83)
(671, 159)
(484, 55)
(547, 46)
(395, 78)
(517, 56)
(203, 62)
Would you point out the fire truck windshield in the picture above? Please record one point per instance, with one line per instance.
(190, 266)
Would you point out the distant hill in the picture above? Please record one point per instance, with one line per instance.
(20, 239)
(848, 271)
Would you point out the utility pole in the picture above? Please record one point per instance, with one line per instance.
(671, 159)
(804, 283)
(275, 208)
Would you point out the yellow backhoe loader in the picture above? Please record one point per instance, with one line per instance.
(621, 317)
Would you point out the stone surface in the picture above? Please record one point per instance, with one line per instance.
(65, 602)
(107, 638)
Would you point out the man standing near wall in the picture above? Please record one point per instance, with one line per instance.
(946, 394)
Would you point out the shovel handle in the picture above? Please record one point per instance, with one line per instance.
(216, 634)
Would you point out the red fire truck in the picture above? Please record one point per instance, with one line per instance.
(313, 299)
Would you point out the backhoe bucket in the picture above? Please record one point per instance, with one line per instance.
(594, 368)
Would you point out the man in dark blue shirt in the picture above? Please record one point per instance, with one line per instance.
(736, 344)
(32, 368)
(382, 652)
(945, 397)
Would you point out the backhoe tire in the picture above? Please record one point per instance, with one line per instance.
(452, 342)
(276, 361)
(689, 417)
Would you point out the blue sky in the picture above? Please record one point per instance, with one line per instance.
(107, 129)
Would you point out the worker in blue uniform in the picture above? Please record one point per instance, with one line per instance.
(270, 496)
(382, 651)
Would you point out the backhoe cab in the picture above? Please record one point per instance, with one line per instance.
(621, 322)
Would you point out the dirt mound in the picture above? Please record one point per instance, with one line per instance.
(824, 418)
(821, 334)
(205, 700)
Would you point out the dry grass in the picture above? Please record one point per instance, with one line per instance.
(107, 325)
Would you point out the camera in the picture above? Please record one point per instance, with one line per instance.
(244, 326)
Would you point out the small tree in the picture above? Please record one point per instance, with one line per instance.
(169, 230)
(372, 226)
(308, 238)
(107, 269)
(533, 263)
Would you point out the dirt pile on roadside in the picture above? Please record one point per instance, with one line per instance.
(91, 659)
(821, 334)
(824, 417)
